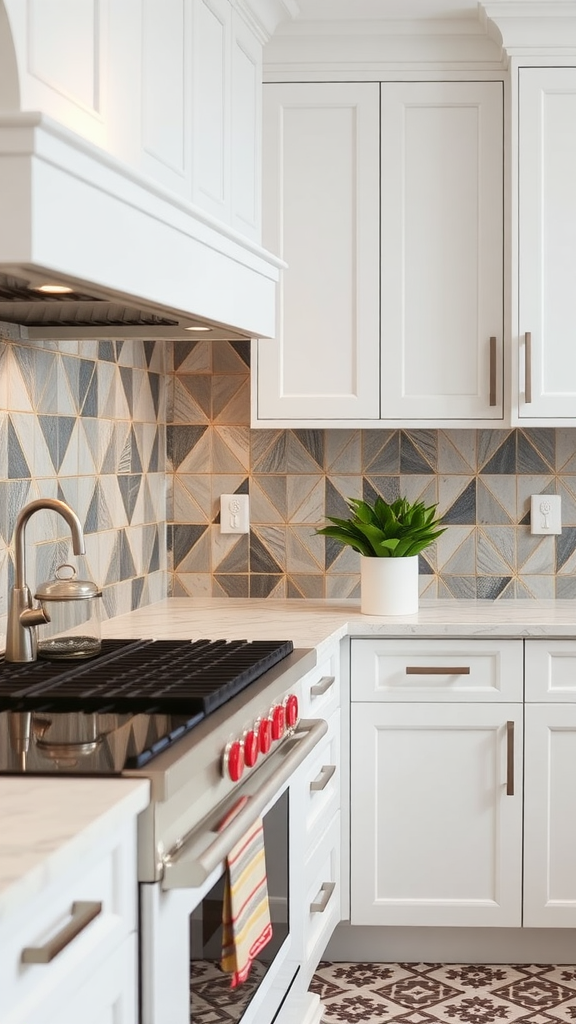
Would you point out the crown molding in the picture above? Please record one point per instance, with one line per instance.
(264, 16)
(531, 27)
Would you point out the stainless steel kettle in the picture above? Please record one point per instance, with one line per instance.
(73, 610)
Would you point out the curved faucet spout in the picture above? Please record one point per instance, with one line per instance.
(21, 642)
(52, 505)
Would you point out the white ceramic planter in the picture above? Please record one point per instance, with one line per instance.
(389, 586)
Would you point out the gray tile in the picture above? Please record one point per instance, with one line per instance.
(343, 451)
(491, 587)
(381, 452)
(496, 499)
(456, 451)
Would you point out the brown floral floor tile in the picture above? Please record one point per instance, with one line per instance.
(366, 993)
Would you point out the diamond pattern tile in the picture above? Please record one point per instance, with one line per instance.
(457, 993)
(136, 433)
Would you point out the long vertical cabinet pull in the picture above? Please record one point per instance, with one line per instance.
(528, 367)
(492, 371)
(509, 758)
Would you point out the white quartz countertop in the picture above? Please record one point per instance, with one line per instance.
(48, 824)
(316, 623)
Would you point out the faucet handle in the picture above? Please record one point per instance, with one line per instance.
(34, 617)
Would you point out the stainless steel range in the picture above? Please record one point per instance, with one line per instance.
(215, 727)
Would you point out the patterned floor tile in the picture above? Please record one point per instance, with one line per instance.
(366, 993)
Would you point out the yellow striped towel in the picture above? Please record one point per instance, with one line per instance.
(246, 913)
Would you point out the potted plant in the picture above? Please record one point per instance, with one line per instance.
(389, 538)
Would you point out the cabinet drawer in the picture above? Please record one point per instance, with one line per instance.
(108, 995)
(551, 670)
(103, 881)
(321, 897)
(322, 786)
(321, 687)
(436, 670)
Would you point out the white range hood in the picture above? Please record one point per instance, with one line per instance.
(106, 116)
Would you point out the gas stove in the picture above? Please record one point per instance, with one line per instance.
(120, 710)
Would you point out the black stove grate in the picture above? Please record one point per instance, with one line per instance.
(143, 677)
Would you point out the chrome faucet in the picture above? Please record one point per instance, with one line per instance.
(21, 640)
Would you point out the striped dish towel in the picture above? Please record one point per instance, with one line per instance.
(246, 914)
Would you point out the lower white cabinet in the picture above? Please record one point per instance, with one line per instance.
(436, 821)
(70, 952)
(550, 816)
(463, 808)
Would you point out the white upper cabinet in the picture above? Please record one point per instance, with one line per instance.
(547, 245)
(442, 251)
(405, 328)
(321, 215)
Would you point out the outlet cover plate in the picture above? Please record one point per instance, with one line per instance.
(545, 513)
(234, 513)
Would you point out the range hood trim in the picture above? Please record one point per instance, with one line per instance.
(148, 247)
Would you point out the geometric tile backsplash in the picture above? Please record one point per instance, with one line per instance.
(86, 422)
(481, 479)
(142, 437)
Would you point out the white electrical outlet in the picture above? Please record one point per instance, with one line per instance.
(234, 513)
(545, 513)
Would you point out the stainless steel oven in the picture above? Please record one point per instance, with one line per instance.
(215, 728)
(181, 914)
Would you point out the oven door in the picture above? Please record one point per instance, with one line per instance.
(180, 919)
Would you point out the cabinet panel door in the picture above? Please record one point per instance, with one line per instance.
(442, 250)
(547, 241)
(550, 817)
(435, 838)
(320, 215)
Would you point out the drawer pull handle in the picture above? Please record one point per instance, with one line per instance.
(437, 670)
(528, 367)
(320, 904)
(319, 688)
(326, 773)
(509, 758)
(492, 371)
(82, 913)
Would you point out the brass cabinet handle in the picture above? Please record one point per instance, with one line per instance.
(320, 904)
(437, 670)
(82, 913)
(326, 773)
(321, 687)
(528, 367)
(509, 758)
(492, 371)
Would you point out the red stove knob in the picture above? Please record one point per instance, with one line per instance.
(278, 722)
(291, 705)
(234, 760)
(251, 749)
(265, 735)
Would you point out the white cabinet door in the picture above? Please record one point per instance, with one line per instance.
(442, 251)
(547, 244)
(550, 816)
(436, 836)
(320, 215)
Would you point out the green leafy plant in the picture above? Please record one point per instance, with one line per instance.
(382, 530)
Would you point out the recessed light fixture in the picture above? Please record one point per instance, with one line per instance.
(197, 328)
(54, 289)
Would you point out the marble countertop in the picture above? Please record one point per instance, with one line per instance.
(318, 623)
(49, 823)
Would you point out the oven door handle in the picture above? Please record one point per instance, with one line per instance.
(192, 862)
